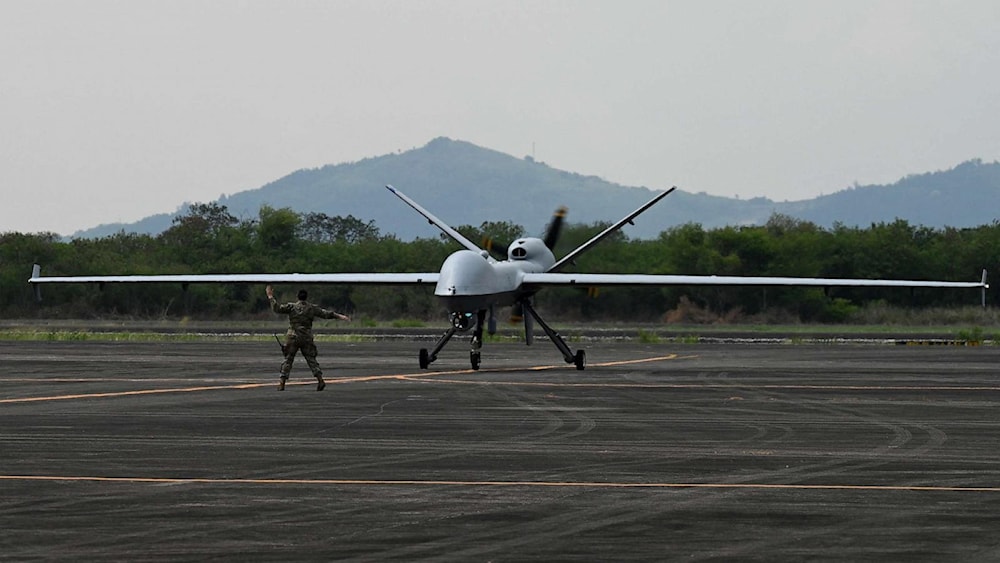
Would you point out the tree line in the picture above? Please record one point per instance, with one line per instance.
(209, 239)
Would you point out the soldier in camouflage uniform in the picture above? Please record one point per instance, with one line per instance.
(299, 336)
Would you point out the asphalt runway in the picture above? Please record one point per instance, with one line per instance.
(694, 452)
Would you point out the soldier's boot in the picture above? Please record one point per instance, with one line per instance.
(320, 384)
(281, 382)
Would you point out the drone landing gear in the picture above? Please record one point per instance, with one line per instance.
(462, 323)
(459, 322)
(579, 359)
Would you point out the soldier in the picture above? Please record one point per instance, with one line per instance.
(299, 335)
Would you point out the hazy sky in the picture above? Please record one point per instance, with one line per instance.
(115, 110)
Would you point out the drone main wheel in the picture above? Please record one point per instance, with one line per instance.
(424, 358)
(580, 360)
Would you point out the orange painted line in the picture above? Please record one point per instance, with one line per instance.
(447, 483)
(399, 376)
(641, 360)
(340, 380)
(600, 365)
(219, 387)
(426, 375)
(132, 393)
(117, 379)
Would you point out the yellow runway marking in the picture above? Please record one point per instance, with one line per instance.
(427, 375)
(335, 381)
(446, 483)
(132, 393)
(218, 387)
(600, 365)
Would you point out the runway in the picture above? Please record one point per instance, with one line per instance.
(695, 452)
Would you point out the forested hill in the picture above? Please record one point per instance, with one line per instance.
(965, 196)
(464, 184)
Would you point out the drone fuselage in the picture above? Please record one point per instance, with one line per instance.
(473, 281)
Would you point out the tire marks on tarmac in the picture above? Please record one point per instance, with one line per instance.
(723, 439)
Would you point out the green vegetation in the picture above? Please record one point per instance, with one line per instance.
(138, 336)
(648, 337)
(975, 336)
(208, 239)
(407, 323)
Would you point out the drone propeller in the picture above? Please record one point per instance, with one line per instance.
(550, 238)
(552, 232)
(497, 250)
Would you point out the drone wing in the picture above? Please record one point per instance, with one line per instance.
(455, 235)
(425, 278)
(569, 258)
(586, 280)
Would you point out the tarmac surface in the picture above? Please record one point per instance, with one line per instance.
(696, 452)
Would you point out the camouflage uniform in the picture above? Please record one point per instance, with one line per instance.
(299, 336)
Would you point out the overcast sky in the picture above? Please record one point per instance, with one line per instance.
(116, 110)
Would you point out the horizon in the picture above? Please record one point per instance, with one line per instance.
(181, 207)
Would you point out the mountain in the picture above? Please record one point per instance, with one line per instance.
(965, 196)
(464, 184)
